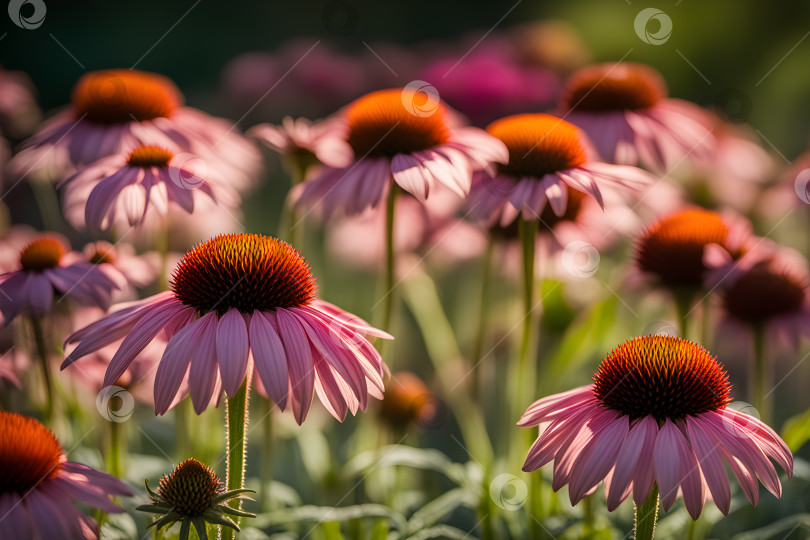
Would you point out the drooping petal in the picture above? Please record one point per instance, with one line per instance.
(270, 357)
(299, 363)
(232, 350)
(711, 464)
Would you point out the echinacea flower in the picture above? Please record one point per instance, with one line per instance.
(47, 268)
(656, 414)
(407, 402)
(239, 301)
(114, 111)
(681, 250)
(194, 495)
(19, 112)
(625, 111)
(121, 264)
(123, 189)
(39, 486)
(547, 155)
(303, 143)
(391, 137)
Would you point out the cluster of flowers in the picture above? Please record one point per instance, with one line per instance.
(127, 153)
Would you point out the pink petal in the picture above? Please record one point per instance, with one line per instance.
(232, 350)
(710, 463)
(676, 466)
(299, 363)
(174, 363)
(598, 458)
(269, 357)
(202, 375)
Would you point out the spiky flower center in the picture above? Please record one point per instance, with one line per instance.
(763, 293)
(43, 253)
(672, 248)
(191, 488)
(149, 156)
(614, 87)
(407, 400)
(29, 453)
(661, 376)
(120, 96)
(380, 125)
(244, 271)
(538, 144)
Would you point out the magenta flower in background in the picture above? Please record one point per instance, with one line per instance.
(656, 415)
(126, 189)
(624, 109)
(547, 156)
(239, 302)
(47, 268)
(404, 136)
(114, 111)
(39, 486)
(19, 112)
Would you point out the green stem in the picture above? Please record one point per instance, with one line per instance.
(266, 455)
(526, 368)
(588, 517)
(182, 414)
(298, 172)
(48, 204)
(388, 291)
(480, 334)
(647, 516)
(760, 377)
(162, 246)
(683, 306)
(237, 412)
(691, 530)
(114, 462)
(42, 354)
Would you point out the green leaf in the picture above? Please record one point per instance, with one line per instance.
(329, 513)
(199, 524)
(185, 529)
(219, 519)
(441, 531)
(440, 507)
(796, 431)
(231, 494)
(331, 531)
(235, 512)
(407, 456)
(777, 528)
(584, 335)
(380, 531)
(119, 527)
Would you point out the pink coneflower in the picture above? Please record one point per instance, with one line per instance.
(547, 156)
(114, 111)
(39, 486)
(47, 268)
(302, 142)
(12, 243)
(408, 140)
(655, 418)
(124, 189)
(121, 264)
(19, 112)
(624, 109)
(237, 301)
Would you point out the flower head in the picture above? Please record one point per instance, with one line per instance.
(114, 111)
(240, 302)
(38, 486)
(407, 401)
(624, 109)
(548, 160)
(47, 267)
(401, 135)
(193, 495)
(656, 413)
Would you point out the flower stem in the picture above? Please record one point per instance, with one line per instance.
(647, 516)
(182, 413)
(388, 291)
(760, 378)
(268, 441)
(683, 307)
(114, 462)
(42, 354)
(162, 245)
(237, 413)
(298, 172)
(526, 368)
(480, 334)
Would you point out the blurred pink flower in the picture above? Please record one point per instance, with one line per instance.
(624, 109)
(402, 137)
(238, 303)
(11, 245)
(122, 265)
(46, 268)
(123, 189)
(302, 142)
(547, 156)
(114, 111)
(656, 416)
(19, 112)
